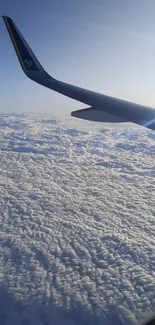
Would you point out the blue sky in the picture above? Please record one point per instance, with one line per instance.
(104, 45)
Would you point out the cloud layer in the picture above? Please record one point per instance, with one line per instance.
(77, 232)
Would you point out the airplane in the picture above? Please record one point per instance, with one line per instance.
(102, 108)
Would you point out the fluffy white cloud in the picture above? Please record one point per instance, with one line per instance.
(77, 232)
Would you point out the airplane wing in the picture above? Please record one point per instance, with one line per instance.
(102, 108)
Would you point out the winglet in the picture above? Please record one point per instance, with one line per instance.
(27, 59)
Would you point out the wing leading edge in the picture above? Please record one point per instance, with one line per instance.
(103, 108)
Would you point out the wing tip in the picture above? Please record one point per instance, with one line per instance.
(6, 17)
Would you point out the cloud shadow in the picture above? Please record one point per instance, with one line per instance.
(14, 311)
